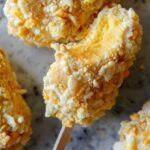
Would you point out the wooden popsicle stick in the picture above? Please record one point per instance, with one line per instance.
(63, 139)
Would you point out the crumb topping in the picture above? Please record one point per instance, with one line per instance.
(44, 22)
(135, 134)
(15, 129)
(83, 82)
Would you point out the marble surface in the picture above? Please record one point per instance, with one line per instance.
(32, 63)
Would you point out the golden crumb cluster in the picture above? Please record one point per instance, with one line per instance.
(15, 116)
(43, 22)
(84, 80)
(135, 134)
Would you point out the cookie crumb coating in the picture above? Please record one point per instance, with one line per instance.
(84, 80)
(15, 115)
(135, 134)
(41, 22)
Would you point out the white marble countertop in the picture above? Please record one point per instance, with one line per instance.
(32, 63)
